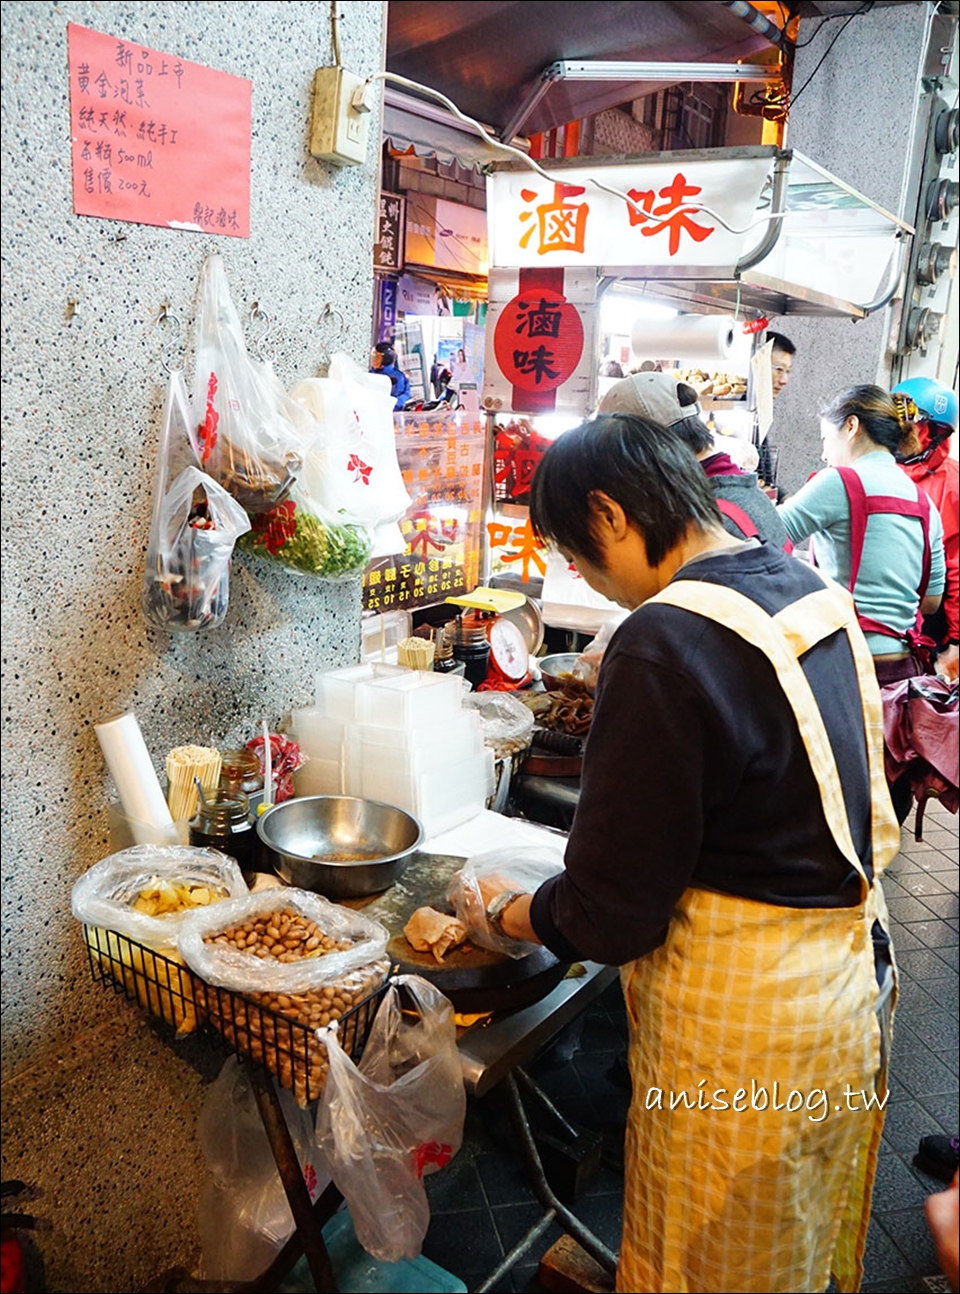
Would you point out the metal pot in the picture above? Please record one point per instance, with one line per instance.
(373, 841)
(552, 668)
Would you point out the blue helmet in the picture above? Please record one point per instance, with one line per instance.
(934, 401)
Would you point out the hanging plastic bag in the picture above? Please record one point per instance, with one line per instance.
(244, 1214)
(518, 869)
(293, 534)
(194, 527)
(353, 475)
(248, 431)
(385, 1124)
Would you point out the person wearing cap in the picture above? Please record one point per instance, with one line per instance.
(746, 511)
(726, 852)
(938, 475)
(384, 361)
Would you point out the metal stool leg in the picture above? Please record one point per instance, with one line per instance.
(541, 1187)
(291, 1175)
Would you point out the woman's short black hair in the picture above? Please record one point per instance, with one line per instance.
(647, 469)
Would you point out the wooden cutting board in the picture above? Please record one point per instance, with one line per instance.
(475, 979)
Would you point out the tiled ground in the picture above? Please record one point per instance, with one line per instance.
(481, 1204)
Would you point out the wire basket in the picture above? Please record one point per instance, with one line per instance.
(167, 989)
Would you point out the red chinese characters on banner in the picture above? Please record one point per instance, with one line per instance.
(538, 340)
(519, 544)
(518, 450)
(669, 215)
(155, 139)
(560, 225)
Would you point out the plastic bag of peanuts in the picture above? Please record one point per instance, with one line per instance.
(293, 963)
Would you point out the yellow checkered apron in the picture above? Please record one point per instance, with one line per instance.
(779, 1002)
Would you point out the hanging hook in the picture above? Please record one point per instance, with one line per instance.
(329, 338)
(166, 355)
(255, 314)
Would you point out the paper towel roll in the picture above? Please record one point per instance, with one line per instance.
(699, 339)
(131, 768)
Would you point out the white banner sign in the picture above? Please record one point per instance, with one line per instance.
(541, 341)
(571, 222)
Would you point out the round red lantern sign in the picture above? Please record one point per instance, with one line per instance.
(538, 340)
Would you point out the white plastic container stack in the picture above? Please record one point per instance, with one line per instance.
(321, 729)
(399, 736)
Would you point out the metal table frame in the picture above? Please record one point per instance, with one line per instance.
(493, 1053)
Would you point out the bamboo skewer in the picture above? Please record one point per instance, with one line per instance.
(415, 653)
(184, 764)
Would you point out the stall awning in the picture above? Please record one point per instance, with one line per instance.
(486, 57)
(431, 131)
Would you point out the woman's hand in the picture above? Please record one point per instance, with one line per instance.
(943, 1214)
(948, 663)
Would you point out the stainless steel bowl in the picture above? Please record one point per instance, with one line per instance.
(300, 834)
(553, 667)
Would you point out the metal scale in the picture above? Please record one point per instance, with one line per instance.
(512, 628)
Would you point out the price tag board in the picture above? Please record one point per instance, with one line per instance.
(156, 139)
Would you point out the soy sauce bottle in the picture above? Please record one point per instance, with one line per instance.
(223, 822)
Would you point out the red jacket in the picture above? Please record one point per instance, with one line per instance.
(939, 478)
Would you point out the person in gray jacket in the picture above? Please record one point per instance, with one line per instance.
(747, 512)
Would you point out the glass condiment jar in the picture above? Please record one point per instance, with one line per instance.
(443, 661)
(472, 646)
(240, 772)
(223, 822)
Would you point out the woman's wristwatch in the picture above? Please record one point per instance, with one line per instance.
(497, 908)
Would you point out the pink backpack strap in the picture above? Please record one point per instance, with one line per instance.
(857, 499)
(739, 518)
(862, 507)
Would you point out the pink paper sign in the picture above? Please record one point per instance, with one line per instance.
(157, 140)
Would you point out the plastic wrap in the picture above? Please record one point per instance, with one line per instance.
(523, 870)
(104, 895)
(243, 972)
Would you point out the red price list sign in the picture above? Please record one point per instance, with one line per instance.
(155, 139)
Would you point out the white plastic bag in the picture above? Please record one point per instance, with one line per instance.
(244, 1214)
(241, 971)
(570, 603)
(249, 433)
(193, 529)
(104, 895)
(352, 475)
(524, 870)
(397, 1116)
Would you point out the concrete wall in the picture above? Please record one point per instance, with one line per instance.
(854, 118)
(97, 1109)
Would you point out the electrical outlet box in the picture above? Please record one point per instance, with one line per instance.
(338, 133)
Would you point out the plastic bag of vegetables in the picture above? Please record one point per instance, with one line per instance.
(293, 534)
